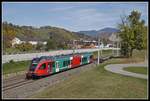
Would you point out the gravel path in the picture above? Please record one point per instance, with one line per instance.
(118, 68)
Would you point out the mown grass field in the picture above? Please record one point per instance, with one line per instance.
(104, 53)
(141, 70)
(99, 83)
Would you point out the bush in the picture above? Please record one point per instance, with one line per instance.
(11, 61)
(40, 46)
(24, 47)
(51, 44)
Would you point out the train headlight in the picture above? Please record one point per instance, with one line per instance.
(71, 58)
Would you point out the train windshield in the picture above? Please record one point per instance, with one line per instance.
(33, 66)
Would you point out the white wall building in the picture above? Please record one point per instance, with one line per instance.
(44, 43)
(101, 45)
(108, 46)
(19, 41)
(33, 42)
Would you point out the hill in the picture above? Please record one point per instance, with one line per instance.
(105, 32)
(43, 33)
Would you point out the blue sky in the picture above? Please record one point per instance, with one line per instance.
(72, 16)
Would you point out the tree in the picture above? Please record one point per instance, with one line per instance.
(8, 34)
(132, 33)
(51, 44)
(145, 38)
(39, 46)
(62, 46)
(24, 47)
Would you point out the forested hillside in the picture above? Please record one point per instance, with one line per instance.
(56, 36)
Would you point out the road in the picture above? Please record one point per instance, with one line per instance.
(118, 68)
(29, 56)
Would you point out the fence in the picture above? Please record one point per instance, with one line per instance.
(29, 56)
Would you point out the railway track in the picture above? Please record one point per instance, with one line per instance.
(24, 88)
(16, 84)
(13, 78)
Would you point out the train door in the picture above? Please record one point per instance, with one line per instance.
(84, 60)
(88, 59)
(57, 66)
(91, 58)
(49, 70)
(81, 62)
(53, 67)
(66, 64)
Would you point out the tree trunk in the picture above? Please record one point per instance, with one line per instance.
(131, 52)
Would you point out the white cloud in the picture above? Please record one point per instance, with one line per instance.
(90, 18)
(60, 9)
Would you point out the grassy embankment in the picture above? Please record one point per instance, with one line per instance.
(141, 70)
(99, 83)
(13, 67)
(104, 53)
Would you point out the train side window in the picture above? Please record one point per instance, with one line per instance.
(84, 59)
(53, 64)
(43, 66)
(71, 61)
(91, 57)
(68, 62)
(64, 63)
(49, 64)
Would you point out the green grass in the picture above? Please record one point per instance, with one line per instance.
(13, 67)
(97, 83)
(142, 70)
(104, 53)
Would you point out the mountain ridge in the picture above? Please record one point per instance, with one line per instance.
(41, 33)
(95, 33)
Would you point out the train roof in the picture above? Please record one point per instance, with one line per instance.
(58, 57)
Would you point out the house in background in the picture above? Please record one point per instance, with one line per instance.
(33, 41)
(17, 41)
(115, 39)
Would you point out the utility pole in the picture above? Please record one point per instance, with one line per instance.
(117, 50)
(73, 47)
(98, 50)
(113, 52)
(101, 48)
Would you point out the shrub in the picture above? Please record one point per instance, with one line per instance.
(11, 61)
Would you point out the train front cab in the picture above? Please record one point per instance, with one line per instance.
(43, 68)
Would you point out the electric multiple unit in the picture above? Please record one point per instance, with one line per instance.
(47, 65)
